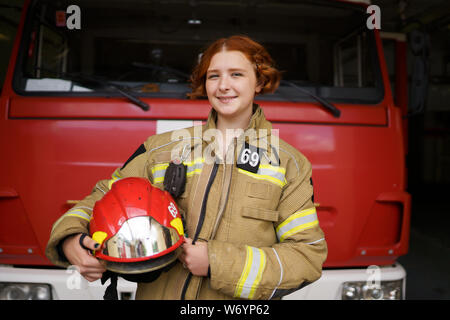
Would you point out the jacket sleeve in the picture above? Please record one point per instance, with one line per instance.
(295, 261)
(76, 220)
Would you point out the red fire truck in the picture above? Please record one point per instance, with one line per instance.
(89, 81)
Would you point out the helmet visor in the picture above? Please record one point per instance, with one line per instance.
(140, 237)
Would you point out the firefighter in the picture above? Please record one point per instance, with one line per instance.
(246, 196)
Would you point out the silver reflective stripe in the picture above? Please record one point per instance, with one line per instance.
(80, 213)
(194, 167)
(299, 221)
(275, 172)
(269, 173)
(314, 242)
(251, 276)
(158, 172)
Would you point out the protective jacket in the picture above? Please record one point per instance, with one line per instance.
(254, 208)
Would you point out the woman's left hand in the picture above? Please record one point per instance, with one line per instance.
(195, 257)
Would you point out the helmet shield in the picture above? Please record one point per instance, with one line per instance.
(140, 237)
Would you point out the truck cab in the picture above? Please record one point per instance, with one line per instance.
(88, 83)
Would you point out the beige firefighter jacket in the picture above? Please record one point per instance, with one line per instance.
(258, 217)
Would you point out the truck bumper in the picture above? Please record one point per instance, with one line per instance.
(70, 285)
(66, 284)
(331, 283)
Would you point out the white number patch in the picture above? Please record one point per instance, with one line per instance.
(173, 210)
(248, 156)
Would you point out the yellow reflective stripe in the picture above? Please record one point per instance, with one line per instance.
(273, 168)
(298, 229)
(244, 275)
(115, 177)
(116, 174)
(158, 167)
(251, 276)
(264, 177)
(262, 266)
(80, 214)
(158, 172)
(297, 222)
(296, 215)
(196, 161)
(193, 167)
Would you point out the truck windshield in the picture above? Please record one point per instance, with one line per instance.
(151, 47)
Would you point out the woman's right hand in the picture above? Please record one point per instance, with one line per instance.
(89, 266)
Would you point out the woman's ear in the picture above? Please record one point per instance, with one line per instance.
(258, 88)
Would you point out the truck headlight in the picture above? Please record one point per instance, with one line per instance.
(386, 290)
(25, 291)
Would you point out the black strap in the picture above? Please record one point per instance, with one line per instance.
(83, 235)
(111, 290)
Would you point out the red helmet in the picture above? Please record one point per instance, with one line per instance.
(138, 226)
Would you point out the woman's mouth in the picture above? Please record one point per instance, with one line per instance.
(226, 99)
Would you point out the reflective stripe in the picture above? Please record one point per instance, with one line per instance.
(115, 177)
(158, 172)
(268, 173)
(255, 264)
(314, 242)
(297, 222)
(193, 167)
(80, 213)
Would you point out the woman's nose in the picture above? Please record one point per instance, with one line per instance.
(224, 83)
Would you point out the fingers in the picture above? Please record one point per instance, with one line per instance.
(88, 242)
(89, 266)
(91, 277)
(195, 257)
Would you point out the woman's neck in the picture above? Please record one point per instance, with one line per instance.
(231, 128)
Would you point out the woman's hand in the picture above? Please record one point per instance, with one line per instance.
(195, 257)
(89, 266)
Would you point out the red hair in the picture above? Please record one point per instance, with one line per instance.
(266, 74)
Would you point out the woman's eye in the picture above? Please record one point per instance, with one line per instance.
(212, 76)
(236, 74)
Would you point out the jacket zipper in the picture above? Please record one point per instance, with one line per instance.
(200, 222)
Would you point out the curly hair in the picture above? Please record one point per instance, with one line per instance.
(266, 74)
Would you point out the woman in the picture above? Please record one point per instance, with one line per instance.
(252, 225)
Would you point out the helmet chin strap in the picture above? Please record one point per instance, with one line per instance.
(111, 290)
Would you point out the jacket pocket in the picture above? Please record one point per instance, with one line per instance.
(260, 214)
(163, 157)
(257, 190)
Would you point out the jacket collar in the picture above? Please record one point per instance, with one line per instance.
(257, 121)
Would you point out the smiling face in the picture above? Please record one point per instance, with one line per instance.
(231, 85)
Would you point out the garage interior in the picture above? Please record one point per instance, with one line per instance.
(428, 158)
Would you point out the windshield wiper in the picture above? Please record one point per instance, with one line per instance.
(83, 78)
(330, 107)
(144, 106)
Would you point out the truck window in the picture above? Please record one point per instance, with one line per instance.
(9, 21)
(150, 47)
